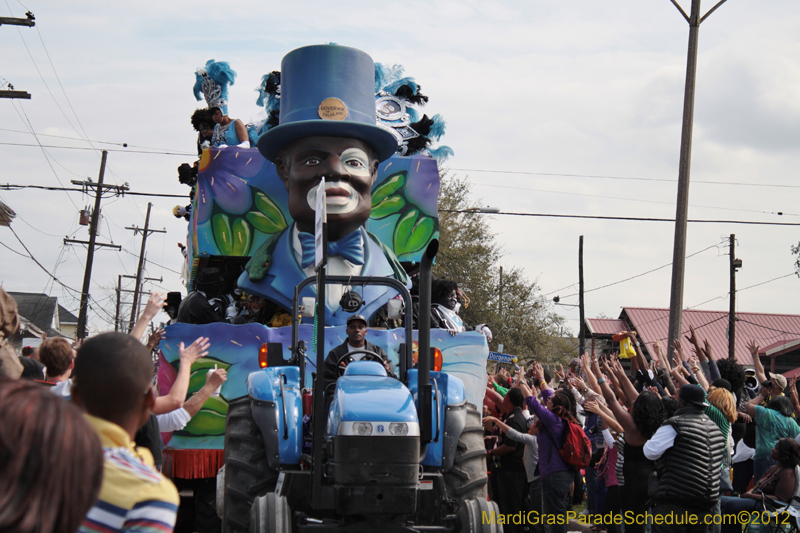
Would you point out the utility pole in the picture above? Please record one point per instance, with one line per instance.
(15, 21)
(119, 294)
(135, 311)
(682, 208)
(581, 329)
(500, 300)
(91, 243)
(145, 233)
(735, 265)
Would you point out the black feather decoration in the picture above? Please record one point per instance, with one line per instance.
(273, 82)
(274, 118)
(423, 126)
(407, 93)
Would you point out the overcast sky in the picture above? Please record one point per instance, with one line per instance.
(541, 99)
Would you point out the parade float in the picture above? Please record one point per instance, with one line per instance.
(239, 211)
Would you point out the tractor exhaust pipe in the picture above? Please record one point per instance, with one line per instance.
(424, 339)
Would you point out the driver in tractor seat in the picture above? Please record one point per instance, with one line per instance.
(356, 341)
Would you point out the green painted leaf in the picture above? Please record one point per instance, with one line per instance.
(388, 187)
(216, 404)
(242, 237)
(208, 362)
(205, 423)
(221, 227)
(263, 223)
(412, 232)
(268, 218)
(389, 206)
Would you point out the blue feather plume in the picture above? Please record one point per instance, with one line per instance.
(386, 75)
(413, 114)
(219, 71)
(437, 129)
(440, 154)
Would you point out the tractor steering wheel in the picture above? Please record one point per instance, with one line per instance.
(347, 358)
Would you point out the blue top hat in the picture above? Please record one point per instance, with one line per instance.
(327, 90)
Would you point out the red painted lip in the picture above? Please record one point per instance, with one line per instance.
(337, 191)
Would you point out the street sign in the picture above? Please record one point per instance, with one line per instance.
(320, 218)
(501, 357)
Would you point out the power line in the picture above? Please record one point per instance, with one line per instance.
(107, 149)
(47, 53)
(556, 174)
(629, 199)
(123, 144)
(637, 219)
(769, 328)
(726, 295)
(30, 126)
(642, 274)
(30, 255)
(9, 187)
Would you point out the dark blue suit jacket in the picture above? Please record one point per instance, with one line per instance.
(285, 274)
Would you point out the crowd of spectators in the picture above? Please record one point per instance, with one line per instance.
(690, 435)
(80, 441)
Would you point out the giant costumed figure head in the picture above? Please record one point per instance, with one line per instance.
(327, 128)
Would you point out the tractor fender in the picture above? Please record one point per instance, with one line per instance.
(276, 404)
(449, 417)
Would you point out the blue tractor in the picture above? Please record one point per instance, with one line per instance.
(381, 454)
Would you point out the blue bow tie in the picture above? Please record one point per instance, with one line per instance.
(348, 247)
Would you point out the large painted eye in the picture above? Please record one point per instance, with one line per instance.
(355, 158)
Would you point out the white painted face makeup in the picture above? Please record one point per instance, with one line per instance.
(340, 197)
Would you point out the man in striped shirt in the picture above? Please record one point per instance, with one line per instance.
(112, 383)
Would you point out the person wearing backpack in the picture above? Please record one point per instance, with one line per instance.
(555, 422)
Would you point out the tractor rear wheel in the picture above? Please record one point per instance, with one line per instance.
(247, 474)
(473, 515)
(467, 479)
(270, 514)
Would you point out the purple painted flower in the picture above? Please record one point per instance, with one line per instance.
(223, 177)
(422, 185)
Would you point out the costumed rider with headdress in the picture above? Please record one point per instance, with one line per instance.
(327, 129)
(212, 83)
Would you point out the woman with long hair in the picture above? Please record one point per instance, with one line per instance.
(51, 461)
(778, 484)
(645, 417)
(557, 476)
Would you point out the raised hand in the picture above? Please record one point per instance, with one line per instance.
(679, 350)
(579, 384)
(592, 406)
(196, 350)
(753, 347)
(217, 378)
(154, 304)
(692, 337)
(154, 339)
(538, 371)
(707, 349)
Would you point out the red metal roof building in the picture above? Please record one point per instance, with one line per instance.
(777, 335)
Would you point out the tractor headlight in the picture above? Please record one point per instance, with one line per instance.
(362, 428)
(398, 429)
